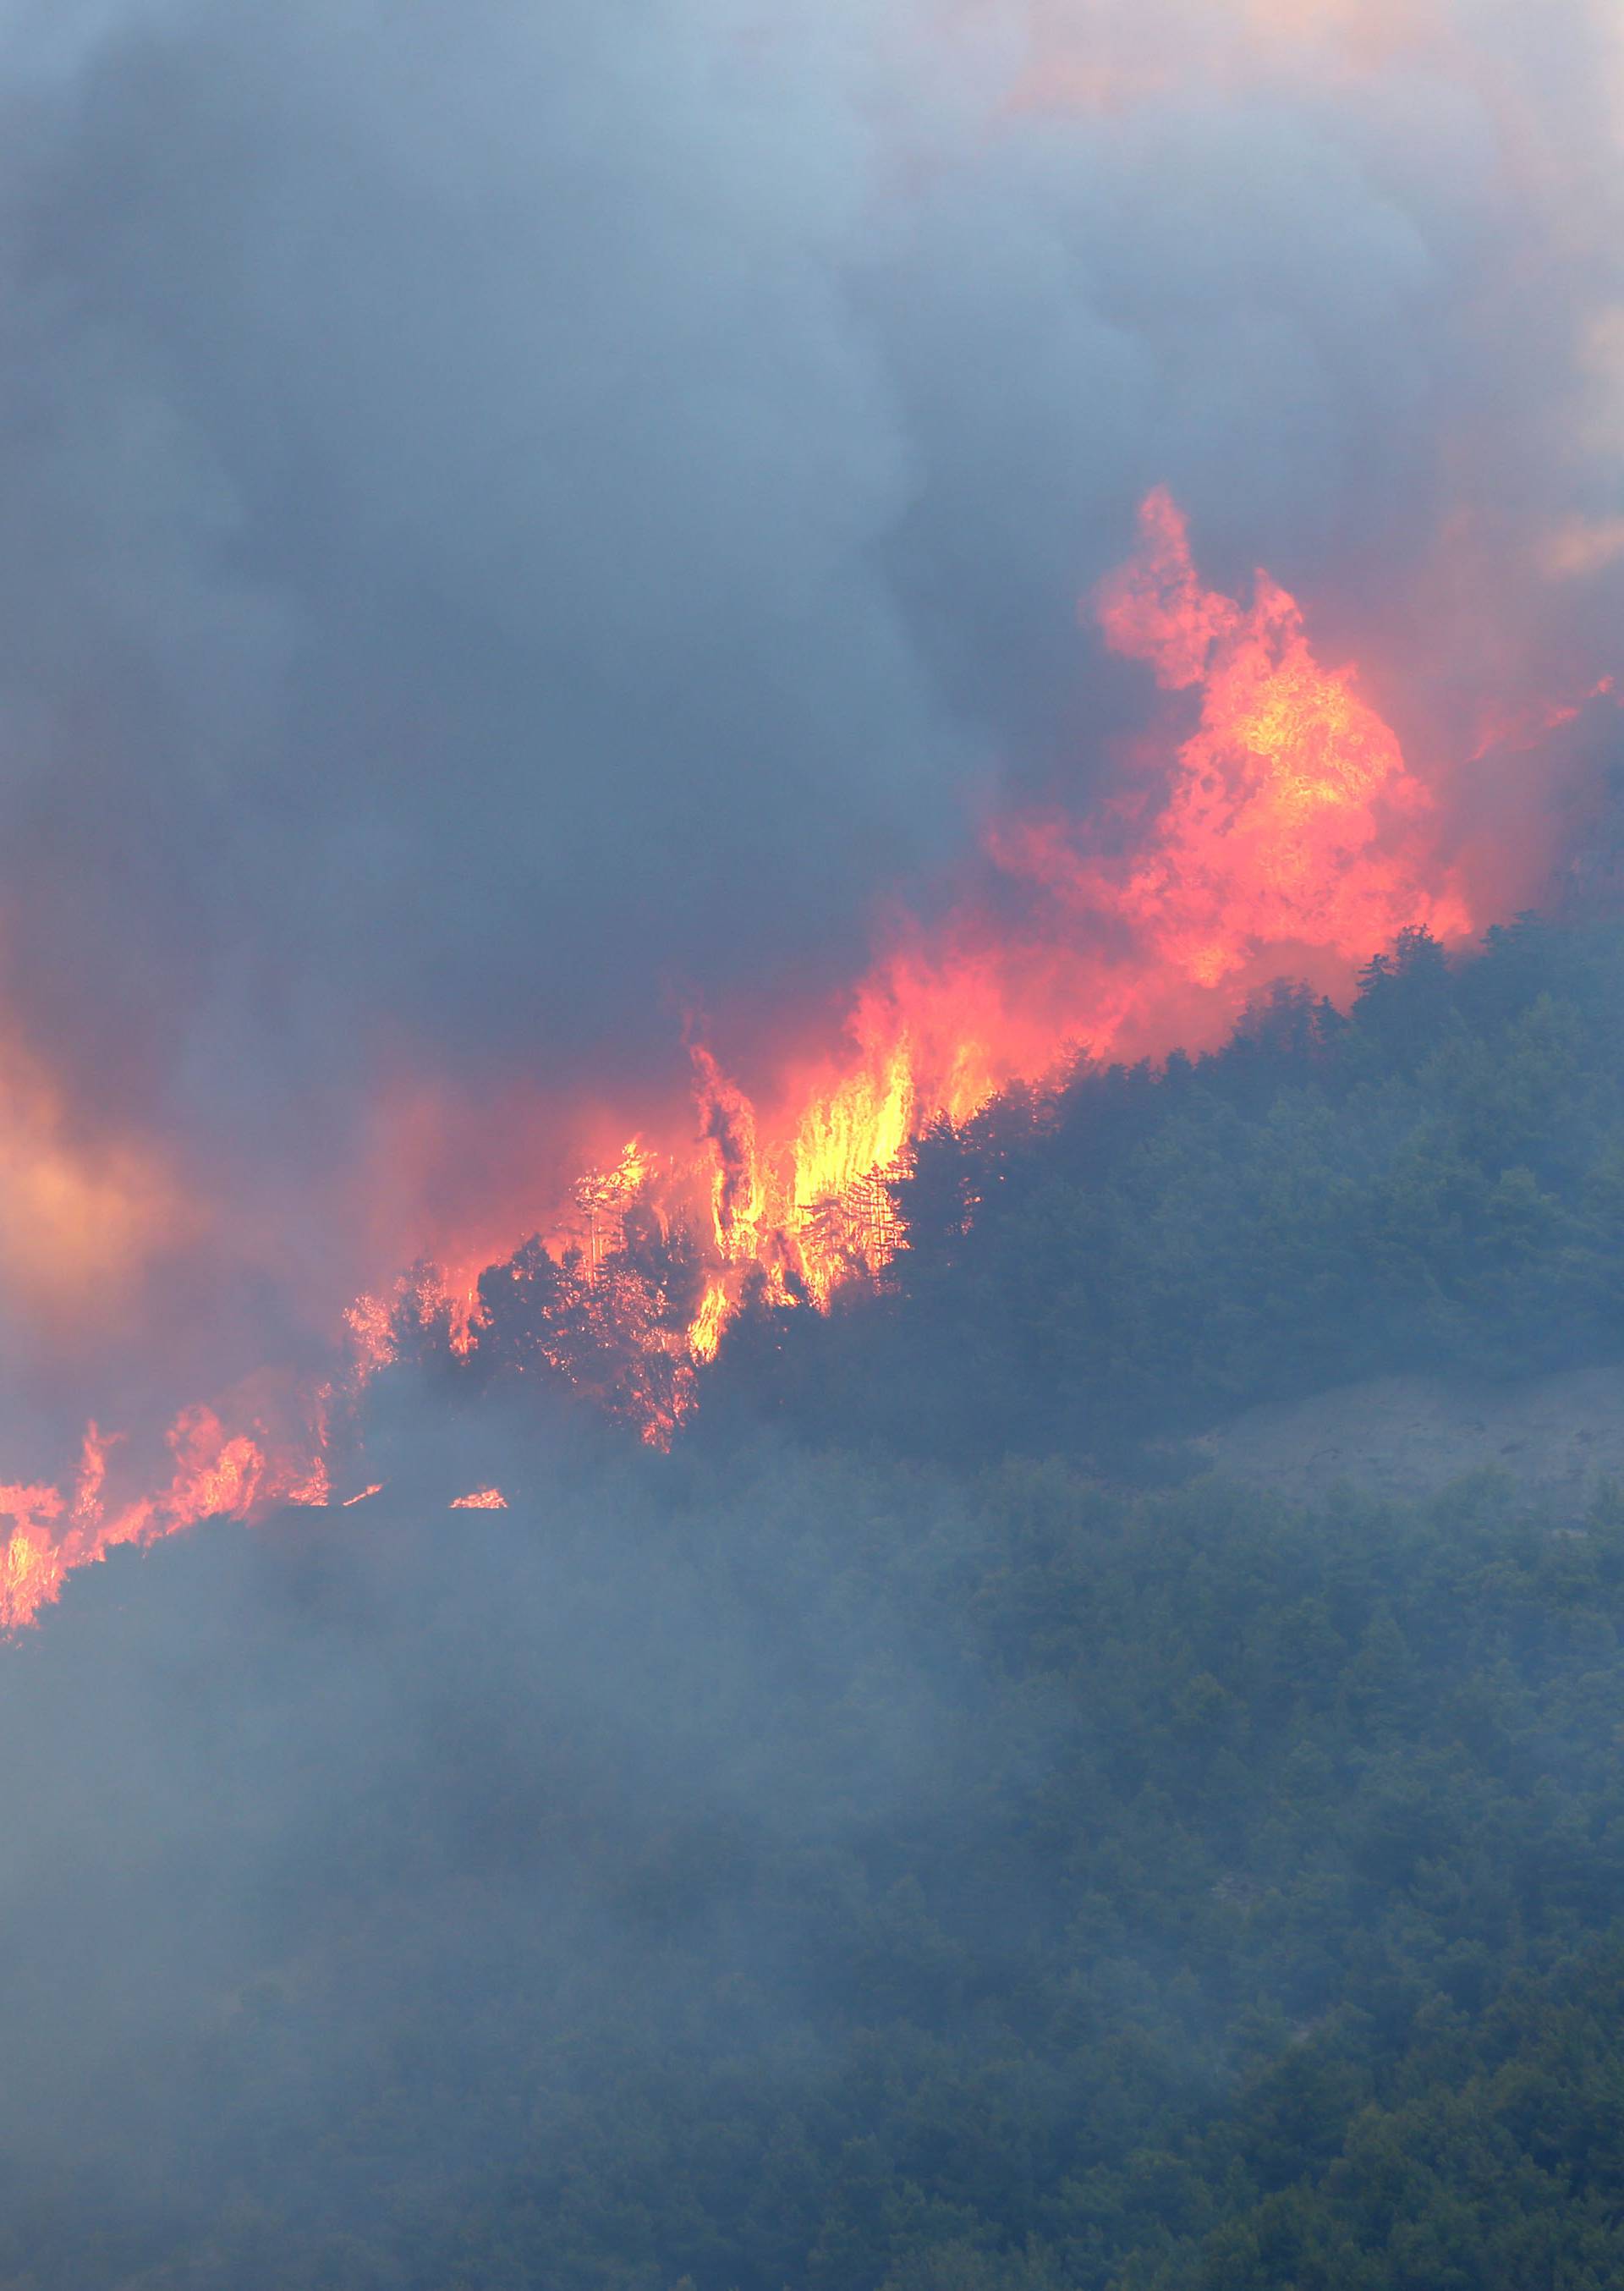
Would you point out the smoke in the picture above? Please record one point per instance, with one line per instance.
(519, 523)
(299, 1803)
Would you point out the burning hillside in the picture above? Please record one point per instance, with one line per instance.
(1267, 825)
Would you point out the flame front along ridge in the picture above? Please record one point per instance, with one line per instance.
(1276, 828)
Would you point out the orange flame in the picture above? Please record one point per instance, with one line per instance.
(482, 1499)
(1293, 819)
(705, 1329)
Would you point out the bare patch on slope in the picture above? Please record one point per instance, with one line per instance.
(1409, 1437)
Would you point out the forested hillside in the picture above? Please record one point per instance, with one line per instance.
(920, 1835)
(1435, 1181)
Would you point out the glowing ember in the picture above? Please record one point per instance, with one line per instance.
(369, 1326)
(482, 1499)
(365, 1496)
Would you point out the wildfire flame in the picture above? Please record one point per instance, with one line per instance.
(1276, 827)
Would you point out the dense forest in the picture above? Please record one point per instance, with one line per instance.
(921, 1834)
(1434, 1181)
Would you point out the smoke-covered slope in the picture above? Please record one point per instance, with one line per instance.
(1561, 1437)
(829, 1878)
(781, 1864)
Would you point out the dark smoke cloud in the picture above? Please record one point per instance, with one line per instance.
(514, 516)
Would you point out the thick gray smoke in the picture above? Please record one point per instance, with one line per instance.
(514, 517)
(287, 1784)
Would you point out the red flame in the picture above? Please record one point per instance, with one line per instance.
(1276, 828)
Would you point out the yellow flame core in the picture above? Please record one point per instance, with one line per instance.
(705, 1335)
(862, 1127)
